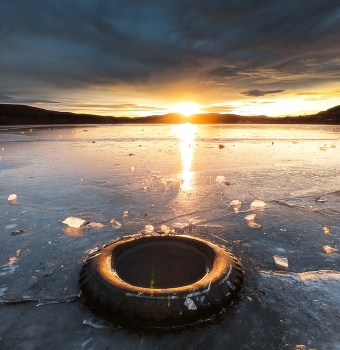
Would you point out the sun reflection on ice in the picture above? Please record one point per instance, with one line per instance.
(186, 133)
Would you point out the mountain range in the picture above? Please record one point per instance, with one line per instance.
(15, 114)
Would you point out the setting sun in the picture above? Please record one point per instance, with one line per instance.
(187, 108)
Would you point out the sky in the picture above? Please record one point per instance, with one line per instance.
(136, 58)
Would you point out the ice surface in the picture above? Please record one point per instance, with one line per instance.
(44, 168)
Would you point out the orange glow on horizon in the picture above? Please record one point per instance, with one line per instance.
(127, 103)
(186, 108)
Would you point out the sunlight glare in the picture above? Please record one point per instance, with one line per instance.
(186, 133)
(187, 108)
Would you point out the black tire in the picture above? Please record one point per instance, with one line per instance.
(160, 308)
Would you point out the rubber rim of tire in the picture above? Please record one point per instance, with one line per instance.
(160, 308)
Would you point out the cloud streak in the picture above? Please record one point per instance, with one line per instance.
(5, 98)
(258, 93)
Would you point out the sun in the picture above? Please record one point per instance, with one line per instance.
(186, 108)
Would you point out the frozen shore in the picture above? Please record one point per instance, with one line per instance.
(177, 176)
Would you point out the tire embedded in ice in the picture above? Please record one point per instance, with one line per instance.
(161, 281)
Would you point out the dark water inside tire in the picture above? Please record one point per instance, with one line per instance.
(166, 264)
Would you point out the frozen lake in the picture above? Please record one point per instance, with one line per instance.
(166, 175)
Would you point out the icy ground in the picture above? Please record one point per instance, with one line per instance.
(184, 178)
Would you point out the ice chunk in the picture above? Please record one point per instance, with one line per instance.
(148, 229)
(12, 197)
(220, 179)
(179, 226)
(257, 203)
(165, 229)
(330, 250)
(281, 263)
(235, 202)
(189, 303)
(253, 224)
(250, 221)
(301, 347)
(326, 230)
(74, 222)
(115, 224)
(236, 205)
(18, 232)
(93, 225)
(250, 217)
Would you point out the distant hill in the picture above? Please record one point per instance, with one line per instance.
(331, 111)
(11, 114)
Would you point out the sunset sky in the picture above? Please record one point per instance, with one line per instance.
(137, 58)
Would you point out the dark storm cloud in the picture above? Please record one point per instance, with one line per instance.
(80, 43)
(258, 93)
